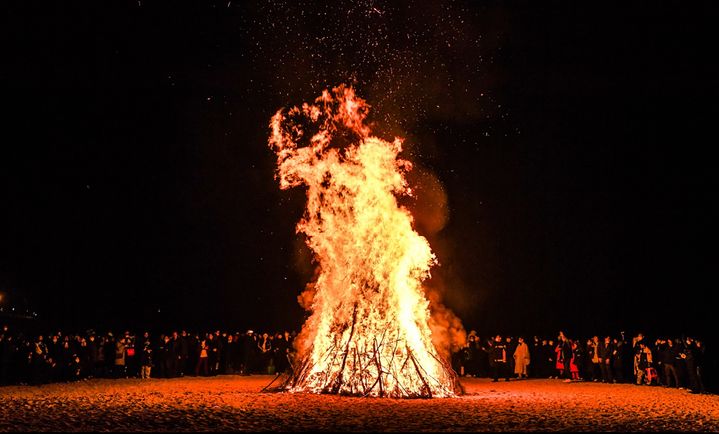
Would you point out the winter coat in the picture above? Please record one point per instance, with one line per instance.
(521, 359)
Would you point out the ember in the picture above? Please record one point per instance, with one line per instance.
(368, 333)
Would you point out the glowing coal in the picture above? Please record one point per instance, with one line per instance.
(368, 332)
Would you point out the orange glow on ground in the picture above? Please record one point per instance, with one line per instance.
(234, 403)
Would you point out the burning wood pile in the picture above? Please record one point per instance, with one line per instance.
(368, 332)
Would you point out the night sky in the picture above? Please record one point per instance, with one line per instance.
(572, 145)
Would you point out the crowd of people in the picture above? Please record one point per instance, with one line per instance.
(59, 357)
(41, 359)
(677, 362)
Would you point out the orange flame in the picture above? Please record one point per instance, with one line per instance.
(368, 332)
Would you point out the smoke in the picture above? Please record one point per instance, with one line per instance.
(302, 260)
(428, 203)
(429, 206)
(303, 341)
(448, 333)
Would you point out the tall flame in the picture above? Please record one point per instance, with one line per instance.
(368, 331)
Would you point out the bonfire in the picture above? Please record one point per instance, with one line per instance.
(368, 331)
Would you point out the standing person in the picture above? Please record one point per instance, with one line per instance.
(643, 362)
(120, 368)
(280, 353)
(668, 355)
(459, 360)
(226, 354)
(594, 366)
(24, 359)
(174, 368)
(547, 360)
(64, 361)
(567, 355)
(93, 355)
(290, 339)
(237, 353)
(680, 362)
(202, 362)
(535, 348)
(109, 350)
(620, 355)
(183, 354)
(83, 353)
(54, 347)
(39, 361)
(483, 363)
(160, 357)
(690, 355)
(248, 349)
(498, 359)
(699, 362)
(146, 361)
(473, 357)
(212, 353)
(511, 346)
(606, 351)
(219, 351)
(559, 357)
(131, 359)
(193, 343)
(265, 346)
(575, 361)
(170, 357)
(521, 359)
(659, 360)
(101, 364)
(230, 352)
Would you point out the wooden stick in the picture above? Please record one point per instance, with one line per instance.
(338, 383)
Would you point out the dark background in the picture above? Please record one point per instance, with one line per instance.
(574, 146)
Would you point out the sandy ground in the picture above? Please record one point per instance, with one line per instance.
(235, 403)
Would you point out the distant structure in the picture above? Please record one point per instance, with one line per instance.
(15, 305)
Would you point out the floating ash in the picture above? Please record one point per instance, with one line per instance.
(368, 332)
